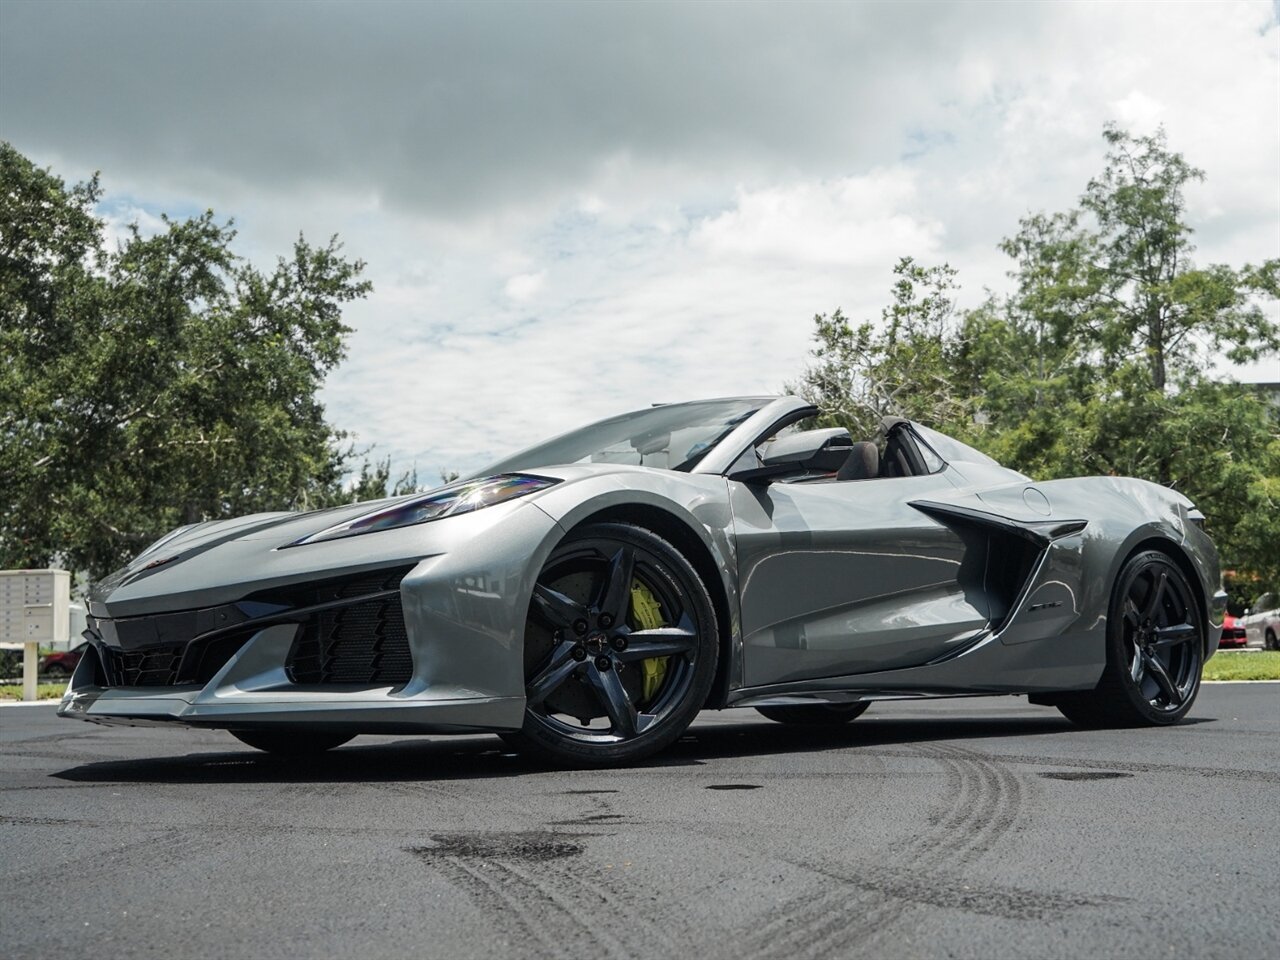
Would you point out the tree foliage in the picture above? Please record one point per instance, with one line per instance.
(166, 381)
(901, 367)
(1098, 360)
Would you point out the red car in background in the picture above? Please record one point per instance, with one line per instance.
(60, 664)
(1232, 632)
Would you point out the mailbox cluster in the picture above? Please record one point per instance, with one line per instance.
(34, 606)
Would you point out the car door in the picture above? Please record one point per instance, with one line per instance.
(839, 578)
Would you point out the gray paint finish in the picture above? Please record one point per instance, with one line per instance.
(834, 590)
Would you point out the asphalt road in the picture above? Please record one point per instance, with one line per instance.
(967, 828)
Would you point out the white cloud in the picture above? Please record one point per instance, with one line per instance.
(848, 221)
(523, 286)
(119, 220)
(570, 214)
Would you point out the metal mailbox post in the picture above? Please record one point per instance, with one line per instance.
(34, 610)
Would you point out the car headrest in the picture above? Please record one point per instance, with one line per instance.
(863, 462)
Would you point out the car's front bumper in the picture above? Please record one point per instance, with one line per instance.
(463, 607)
(253, 691)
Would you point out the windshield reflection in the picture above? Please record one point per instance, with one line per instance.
(668, 437)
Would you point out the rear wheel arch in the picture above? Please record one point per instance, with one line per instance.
(684, 538)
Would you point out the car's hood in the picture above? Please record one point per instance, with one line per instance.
(212, 561)
(285, 527)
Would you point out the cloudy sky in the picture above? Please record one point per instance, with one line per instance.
(568, 210)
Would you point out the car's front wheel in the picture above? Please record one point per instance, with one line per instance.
(1269, 642)
(620, 648)
(291, 743)
(1155, 650)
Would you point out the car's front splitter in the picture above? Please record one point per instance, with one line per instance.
(366, 712)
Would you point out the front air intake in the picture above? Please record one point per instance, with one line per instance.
(363, 643)
(146, 667)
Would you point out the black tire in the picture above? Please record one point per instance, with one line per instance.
(592, 696)
(1155, 650)
(817, 714)
(1269, 641)
(291, 743)
(58, 671)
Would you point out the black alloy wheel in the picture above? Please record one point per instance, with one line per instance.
(620, 648)
(815, 714)
(291, 743)
(1155, 650)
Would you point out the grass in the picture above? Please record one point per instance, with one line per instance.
(1262, 665)
(44, 691)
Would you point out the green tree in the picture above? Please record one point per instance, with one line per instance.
(902, 367)
(1099, 359)
(165, 382)
(1150, 303)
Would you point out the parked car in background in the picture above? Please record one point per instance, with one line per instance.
(1262, 621)
(61, 664)
(1233, 634)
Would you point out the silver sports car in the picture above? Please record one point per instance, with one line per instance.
(586, 597)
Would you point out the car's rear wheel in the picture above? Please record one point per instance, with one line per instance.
(1270, 641)
(620, 648)
(816, 714)
(56, 670)
(1155, 650)
(291, 743)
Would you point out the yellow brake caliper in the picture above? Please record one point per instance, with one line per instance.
(648, 616)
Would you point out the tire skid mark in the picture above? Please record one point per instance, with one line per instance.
(500, 907)
(811, 912)
(545, 919)
(834, 917)
(996, 802)
(983, 803)
(640, 932)
(809, 931)
(251, 829)
(26, 788)
(166, 846)
(61, 756)
(606, 887)
(575, 908)
(1134, 766)
(417, 788)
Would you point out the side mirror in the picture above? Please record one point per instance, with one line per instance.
(822, 451)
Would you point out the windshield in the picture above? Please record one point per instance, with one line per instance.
(669, 437)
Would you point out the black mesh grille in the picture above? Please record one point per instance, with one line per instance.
(148, 667)
(364, 643)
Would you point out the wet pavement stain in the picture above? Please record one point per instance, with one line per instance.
(590, 820)
(1085, 775)
(531, 847)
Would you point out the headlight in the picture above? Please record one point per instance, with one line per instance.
(446, 502)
